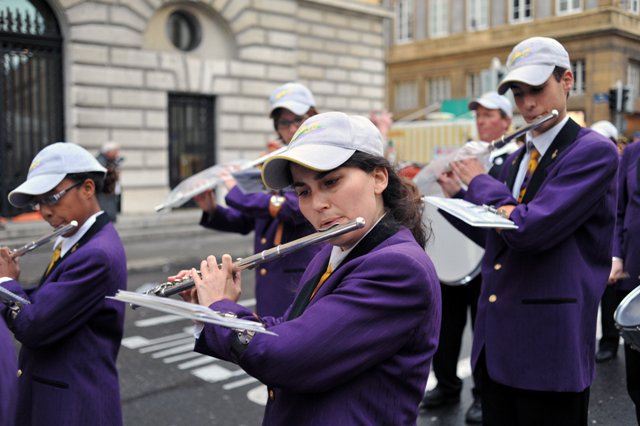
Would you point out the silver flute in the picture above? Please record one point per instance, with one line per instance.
(61, 230)
(173, 287)
(505, 139)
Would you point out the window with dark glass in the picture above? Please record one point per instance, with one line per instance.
(191, 135)
(183, 30)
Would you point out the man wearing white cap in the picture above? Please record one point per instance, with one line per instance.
(542, 282)
(69, 333)
(493, 117)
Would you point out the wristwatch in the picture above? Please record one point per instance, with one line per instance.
(244, 336)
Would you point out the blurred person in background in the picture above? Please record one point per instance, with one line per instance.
(610, 340)
(273, 216)
(625, 270)
(493, 114)
(109, 198)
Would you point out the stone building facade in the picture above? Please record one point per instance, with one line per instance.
(122, 61)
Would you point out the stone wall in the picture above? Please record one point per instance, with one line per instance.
(119, 71)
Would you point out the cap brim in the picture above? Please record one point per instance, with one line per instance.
(533, 75)
(37, 185)
(487, 104)
(298, 108)
(320, 158)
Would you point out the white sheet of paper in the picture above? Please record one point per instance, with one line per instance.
(474, 215)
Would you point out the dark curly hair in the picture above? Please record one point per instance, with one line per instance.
(401, 198)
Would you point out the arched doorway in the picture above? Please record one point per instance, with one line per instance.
(31, 89)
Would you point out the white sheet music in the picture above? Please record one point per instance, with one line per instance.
(188, 310)
(474, 215)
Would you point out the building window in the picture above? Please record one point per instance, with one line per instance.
(477, 14)
(404, 12)
(632, 6)
(439, 89)
(579, 82)
(564, 7)
(183, 30)
(633, 81)
(520, 11)
(438, 18)
(191, 136)
(406, 96)
(474, 85)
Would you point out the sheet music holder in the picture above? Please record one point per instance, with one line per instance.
(188, 310)
(475, 215)
(9, 298)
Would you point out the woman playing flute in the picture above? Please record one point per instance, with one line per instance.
(355, 346)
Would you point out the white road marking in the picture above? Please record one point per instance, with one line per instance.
(166, 345)
(181, 357)
(187, 347)
(201, 360)
(239, 383)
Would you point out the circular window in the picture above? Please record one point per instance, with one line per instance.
(183, 30)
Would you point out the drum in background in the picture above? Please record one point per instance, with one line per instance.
(457, 259)
(627, 318)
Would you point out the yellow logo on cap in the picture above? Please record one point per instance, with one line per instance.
(282, 94)
(304, 129)
(34, 165)
(519, 55)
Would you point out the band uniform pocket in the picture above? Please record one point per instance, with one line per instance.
(49, 382)
(550, 301)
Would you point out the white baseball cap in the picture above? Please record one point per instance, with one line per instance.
(49, 168)
(322, 143)
(492, 100)
(292, 96)
(532, 61)
(606, 129)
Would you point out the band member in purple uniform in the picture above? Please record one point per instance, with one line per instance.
(69, 333)
(356, 344)
(541, 283)
(493, 118)
(626, 253)
(274, 217)
(610, 340)
(8, 378)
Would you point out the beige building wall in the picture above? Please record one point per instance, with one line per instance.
(604, 36)
(120, 67)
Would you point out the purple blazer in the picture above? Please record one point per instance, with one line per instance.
(70, 336)
(8, 379)
(626, 243)
(277, 280)
(361, 350)
(541, 283)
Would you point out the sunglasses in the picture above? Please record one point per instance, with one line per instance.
(285, 124)
(50, 200)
